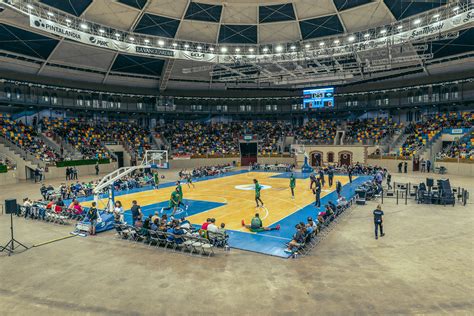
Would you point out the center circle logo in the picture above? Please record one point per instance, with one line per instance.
(251, 187)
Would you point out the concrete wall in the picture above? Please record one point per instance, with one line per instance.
(20, 163)
(458, 168)
(200, 162)
(126, 154)
(10, 177)
(57, 173)
(390, 164)
(275, 160)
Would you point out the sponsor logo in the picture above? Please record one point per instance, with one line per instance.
(468, 17)
(251, 187)
(427, 30)
(154, 51)
(57, 29)
(99, 42)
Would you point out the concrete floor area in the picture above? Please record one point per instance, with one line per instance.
(424, 265)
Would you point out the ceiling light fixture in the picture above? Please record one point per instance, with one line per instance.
(383, 31)
(417, 21)
(265, 49)
(147, 40)
(50, 13)
(307, 46)
(436, 16)
(321, 44)
(223, 49)
(84, 26)
(351, 38)
(279, 48)
(29, 6)
(366, 35)
(399, 27)
(251, 49)
(101, 31)
(68, 21)
(161, 42)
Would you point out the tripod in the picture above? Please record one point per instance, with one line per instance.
(13, 243)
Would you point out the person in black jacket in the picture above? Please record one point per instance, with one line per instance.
(338, 188)
(93, 214)
(317, 193)
(378, 221)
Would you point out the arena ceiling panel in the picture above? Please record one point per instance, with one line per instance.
(233, 22)
(165, 17)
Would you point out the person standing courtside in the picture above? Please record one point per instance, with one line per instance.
(317, 193)
(378, 221)
(389, 180)
(312, 179)
(136, 212)
(321, 177)
(330, 176)
(349, 171)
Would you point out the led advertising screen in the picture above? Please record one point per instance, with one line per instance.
(318, 98)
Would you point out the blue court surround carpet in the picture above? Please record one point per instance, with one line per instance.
(269, 242)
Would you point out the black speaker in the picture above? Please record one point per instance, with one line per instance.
(429, 182)
(11, 206)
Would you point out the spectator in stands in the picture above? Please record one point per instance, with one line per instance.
(118, 212)
(212, 226)
(297, 239)
(205, 225)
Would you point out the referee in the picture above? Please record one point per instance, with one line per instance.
(378, 221)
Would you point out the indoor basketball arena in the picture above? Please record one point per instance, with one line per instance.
(239, 157)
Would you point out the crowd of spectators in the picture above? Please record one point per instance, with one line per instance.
(462, 149)
(88, 138)
(424, 131)
(361, 131)
(317, 131)
(196, 138)
(25, 137)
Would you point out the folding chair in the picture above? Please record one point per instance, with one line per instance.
(206, 246)
(153, 238)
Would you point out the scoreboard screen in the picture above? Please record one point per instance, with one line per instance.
(318, 98)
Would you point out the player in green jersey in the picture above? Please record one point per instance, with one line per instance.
(173, 203)
(258, 187)
(156, 180)
(292, 185)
